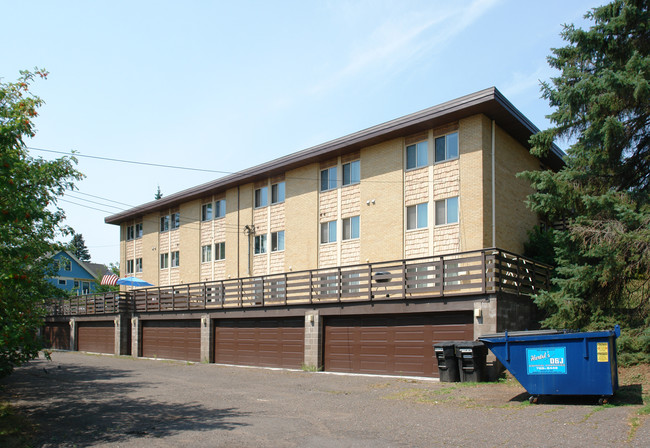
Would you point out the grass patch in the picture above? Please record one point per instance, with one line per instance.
(310, 368)
(15, 429)
(423, 395)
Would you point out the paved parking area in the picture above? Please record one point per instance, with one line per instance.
(80, 399)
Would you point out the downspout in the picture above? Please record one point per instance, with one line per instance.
(238, 213)
(494, 207)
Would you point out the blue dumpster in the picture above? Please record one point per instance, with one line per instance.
(552, 362)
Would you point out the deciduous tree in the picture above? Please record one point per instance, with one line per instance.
(30, 220)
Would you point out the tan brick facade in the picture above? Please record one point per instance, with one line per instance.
(380, 201)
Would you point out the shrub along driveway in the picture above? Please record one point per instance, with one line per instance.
(89, 400)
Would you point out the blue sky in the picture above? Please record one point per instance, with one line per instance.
(228, 85)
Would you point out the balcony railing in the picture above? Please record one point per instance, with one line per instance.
(468, 273)
(106, 303)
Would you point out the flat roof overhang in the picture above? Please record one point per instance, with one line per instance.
(489, 102)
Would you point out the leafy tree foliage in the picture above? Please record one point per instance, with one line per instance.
(602, 104)
(78, 247)
(29, 222)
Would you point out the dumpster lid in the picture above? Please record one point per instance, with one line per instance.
(546, 335)
(525, 333)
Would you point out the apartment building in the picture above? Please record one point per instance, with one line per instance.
(355, 255)
(435, 182)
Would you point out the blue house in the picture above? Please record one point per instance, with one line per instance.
(73, 274)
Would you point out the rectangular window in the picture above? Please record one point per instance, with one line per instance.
(138, 265)
(176, 259)
(206, 253)
(447, 211)
(65, 264)
(352, 173)
(220, 208)
(220, 251)
(164, 223)
(417, 216)
(261, 197)
(138, 230)
(260, 244)
(85, 287)
(175, 220)
(447, 147)
(63, 282)
(277, 241)
(351, 228)
(328, 232)
(164, 261)
(277, 193)
(206, 212)
(417, 155)
(328, 179)
(130, 233)
(76, 284)
(129, 266)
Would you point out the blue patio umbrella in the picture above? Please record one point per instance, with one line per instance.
(133, 281)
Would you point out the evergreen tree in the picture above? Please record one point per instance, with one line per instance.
(27, 225)
(601, 102)
(78, 247)
(158, 194)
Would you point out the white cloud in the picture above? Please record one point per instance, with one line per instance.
(402, 40)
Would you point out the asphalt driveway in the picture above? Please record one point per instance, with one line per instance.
(91, 400)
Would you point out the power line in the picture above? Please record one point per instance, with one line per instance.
(104, 199)
(76, 154)
(158, 165)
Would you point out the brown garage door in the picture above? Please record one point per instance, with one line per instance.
(391, 344)
(57, 335)
(260, 342)
(98, 337)
(172, 339)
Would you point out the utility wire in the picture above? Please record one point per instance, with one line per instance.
(159, 165)
(76, 154)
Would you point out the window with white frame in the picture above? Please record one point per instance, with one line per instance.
(352, 173)
(220, 208)
(176, 259)
(164, 223)
(206, 212)
(261, 197)
(328, 232)
(220, 251)
(447, 147)
(328, 179)
(351, 228)
(129, 266)
(138, 265)
(175, 220)
(63, 282)
(277, 241)
(164, 260)
(447, 211)
(206, 253)
(130, 233)
(417, 216)
(260, 244)
(417, 155)
(85, 287)
(138, 230)
(277, 193)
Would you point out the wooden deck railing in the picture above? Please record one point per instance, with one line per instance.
(106, 303)
(467, 273)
